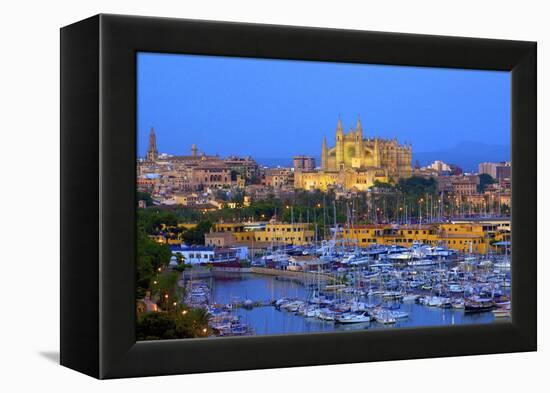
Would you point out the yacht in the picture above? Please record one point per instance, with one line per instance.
(353, 318)
(422, 262)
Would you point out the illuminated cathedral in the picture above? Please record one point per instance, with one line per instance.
(356, 162)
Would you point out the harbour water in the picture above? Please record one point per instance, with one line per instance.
(270, 320)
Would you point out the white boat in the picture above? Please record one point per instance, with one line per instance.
(434, 301)
(485, 262)
(353, 318)
(326, 315)
(392, 295)
(356, 260)
(456, 288)
(404, 256)
(458, 304)
(311, 312)
(410, 298)
(399, 314)
(384, 317)
(422, 262)
(503, 264)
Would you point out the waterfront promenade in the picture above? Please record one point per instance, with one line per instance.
(304, 277)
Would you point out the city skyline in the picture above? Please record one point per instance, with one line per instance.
(202, 99)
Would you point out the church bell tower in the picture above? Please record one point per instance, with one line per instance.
(152, 152)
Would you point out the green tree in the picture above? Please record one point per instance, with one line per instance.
(196, 235)
(145, 196)
(156, 326)
(180, 323)
(417, 186)
(484, 181)
(150, 257)
(166, 290)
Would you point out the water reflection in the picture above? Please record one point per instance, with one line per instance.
(268, 320)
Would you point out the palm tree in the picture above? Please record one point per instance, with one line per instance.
(201, 319)
(180, 259)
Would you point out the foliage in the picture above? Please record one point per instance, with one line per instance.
(417, 186)
(196, 235)
(150, 257)
(484, 180)
(180, 323)
(151, 219)
(145, 196)
(157, 326)
(383, 185)
(165, 289)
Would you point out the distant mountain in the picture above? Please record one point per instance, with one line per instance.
(282, 162)
(466, 155)
(274, 162)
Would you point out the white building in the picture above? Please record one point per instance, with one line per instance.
(193, 254)
(439, 166)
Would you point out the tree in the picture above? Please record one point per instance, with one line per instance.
(383, 186)
(145, 196)
(156, 326)
(196, 235)
(417, 186)
(150, 256)
(180, 323)
(484, 181)
(166, 290)
(180, 259)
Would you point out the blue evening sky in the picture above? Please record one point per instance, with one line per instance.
(279, 108)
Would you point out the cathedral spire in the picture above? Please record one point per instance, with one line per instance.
(359, 127)
(324, 154)
(339, 144)
(339, 129)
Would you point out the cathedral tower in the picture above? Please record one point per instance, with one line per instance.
(339, 145)
(359, 140)
(376, 152)
(324, 155)
(152, 152)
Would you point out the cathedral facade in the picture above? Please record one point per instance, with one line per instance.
(356, 162)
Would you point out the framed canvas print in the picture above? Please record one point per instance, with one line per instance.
(296, 196)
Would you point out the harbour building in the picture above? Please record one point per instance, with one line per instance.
(467, 237)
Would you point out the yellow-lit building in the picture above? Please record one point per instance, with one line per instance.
(273, 232)
(356, 163)
(297, 234)
(463, 237)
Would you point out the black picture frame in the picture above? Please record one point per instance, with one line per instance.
(98, 203)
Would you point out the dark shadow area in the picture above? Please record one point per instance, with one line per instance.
(52, 356)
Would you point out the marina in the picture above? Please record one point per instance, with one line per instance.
(400, 287)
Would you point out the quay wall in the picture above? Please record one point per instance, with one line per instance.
(291, 274)
(198, 273)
